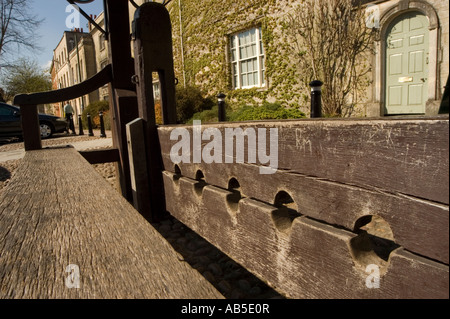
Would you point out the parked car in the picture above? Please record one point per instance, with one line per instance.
(10, 124)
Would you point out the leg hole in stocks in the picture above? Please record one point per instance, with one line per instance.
(374, 243)
(177, 174)
(201, 183)
(233, 199)
(287, 211)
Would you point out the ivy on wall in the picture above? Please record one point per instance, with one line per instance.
(201, 49)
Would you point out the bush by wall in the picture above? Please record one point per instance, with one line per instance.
(211, 115)
(267, 111)
(93, 110)
(158, 113)
(189, 101)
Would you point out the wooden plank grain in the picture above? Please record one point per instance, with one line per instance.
(125, 110)
(331, 171)
(306, 259)
(138, 168)
(57, 211)
(152, 40)
(405, 156)
(152, 35)
(418, 225)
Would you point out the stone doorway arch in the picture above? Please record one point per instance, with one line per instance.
(386, 20)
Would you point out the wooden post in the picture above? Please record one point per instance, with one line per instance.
(125, 111)
(123, 102)
(152, 34)
(119, 44)
(138, 167)
(28, 104)
(31, 129)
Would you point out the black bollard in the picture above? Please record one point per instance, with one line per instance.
(221, 103)
(91, 132)
(316, 98)
(102, 125)
(80, 125)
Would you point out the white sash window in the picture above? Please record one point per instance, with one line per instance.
(247, 59)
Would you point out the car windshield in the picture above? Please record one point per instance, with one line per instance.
(10, 106)
(6, 109)
(14, 108)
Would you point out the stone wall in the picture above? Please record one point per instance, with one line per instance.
(201, 39)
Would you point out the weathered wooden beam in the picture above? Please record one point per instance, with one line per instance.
(418, 225)
(299, 256)
(101, 78)
(119, 44)
(101, 156)
(413, 154)
(408, 156)
(125, 111)
(60, 218)
(152, 34)
(123, 102)
(138, 168)
(28, 104)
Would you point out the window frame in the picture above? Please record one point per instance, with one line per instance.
(236, 60)
(102, 40)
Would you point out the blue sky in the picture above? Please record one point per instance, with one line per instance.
(51, 30)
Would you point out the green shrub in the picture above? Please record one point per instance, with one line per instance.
(268, 111)
(190, 100)
(211, 115)
(93, 110)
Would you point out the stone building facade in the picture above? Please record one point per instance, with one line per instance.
(73, 62)
(234, 47)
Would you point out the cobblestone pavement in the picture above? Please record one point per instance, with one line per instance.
(58, 139)
(232, 280)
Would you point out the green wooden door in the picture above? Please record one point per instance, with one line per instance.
(407, 64)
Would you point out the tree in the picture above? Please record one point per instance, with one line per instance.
(17, 27)
(26, 77)
(330, 42)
